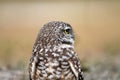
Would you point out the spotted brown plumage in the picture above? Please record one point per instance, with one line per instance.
(53, 56)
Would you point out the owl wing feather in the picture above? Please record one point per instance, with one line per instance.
(73, 69)
(33, 68)
(76, 71)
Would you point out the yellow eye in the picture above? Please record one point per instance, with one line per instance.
(66, 32)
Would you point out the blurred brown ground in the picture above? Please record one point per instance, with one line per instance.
(96, 25)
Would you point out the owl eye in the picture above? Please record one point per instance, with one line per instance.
(67, 31)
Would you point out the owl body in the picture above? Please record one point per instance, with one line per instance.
(53, 56)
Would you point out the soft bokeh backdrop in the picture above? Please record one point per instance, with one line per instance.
(96, 25)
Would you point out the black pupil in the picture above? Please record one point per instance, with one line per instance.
(68, 30)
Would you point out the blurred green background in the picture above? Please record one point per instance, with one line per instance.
(96, 25)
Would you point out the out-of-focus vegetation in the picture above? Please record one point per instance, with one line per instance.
(96, 25)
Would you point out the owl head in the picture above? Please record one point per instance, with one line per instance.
(56, 32)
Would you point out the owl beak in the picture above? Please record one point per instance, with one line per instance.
(73, 37)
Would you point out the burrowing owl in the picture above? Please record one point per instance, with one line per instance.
(53, 56)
